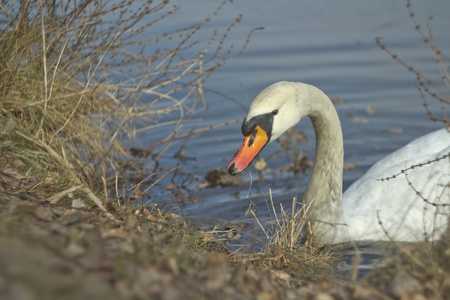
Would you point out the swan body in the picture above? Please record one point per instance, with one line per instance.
(370, 209)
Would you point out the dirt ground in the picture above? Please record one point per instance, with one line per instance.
(55, 251)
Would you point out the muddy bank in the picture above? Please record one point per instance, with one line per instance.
(52, 251)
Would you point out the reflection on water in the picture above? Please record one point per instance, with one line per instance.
(359, 258)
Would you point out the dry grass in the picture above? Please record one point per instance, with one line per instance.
(79, 84)
(77, 97)
(290, 250)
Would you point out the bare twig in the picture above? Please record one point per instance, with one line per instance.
(403, 171)
(57, 197)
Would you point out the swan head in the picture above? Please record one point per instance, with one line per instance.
(276, 109)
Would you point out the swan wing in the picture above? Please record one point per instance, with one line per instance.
(395, 203)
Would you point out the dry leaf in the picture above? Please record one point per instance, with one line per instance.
(220, 177)
(397, 130)
(357, 119)
(370, 110)
(337, 100)
(169, 187)
(348, 166)
(115, 232)
(43, 213)
(280, 275)
(260, 164)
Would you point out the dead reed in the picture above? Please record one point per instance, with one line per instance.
(79, 83)
(289, 248)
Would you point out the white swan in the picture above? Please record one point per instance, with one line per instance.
(404, 215)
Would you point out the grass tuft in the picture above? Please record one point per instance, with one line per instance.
(290, 250)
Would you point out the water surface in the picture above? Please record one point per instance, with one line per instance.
(325, 43)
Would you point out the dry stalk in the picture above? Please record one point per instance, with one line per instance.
(425, 84)
(426, 87)
(73, 174)
(44, 58)
(84, 95)
(55, 198)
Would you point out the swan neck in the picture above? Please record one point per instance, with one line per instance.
(324, 191)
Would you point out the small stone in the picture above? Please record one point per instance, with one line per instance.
(74, 250)
(323, 296)
(43, 213)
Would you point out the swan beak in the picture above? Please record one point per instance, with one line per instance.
(252, 145)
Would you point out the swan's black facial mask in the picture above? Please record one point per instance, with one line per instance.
(264, 121)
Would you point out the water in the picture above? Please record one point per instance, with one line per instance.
(325, 43)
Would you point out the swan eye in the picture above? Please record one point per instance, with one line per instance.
(274, 112)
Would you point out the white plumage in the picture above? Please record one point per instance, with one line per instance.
(357, 214)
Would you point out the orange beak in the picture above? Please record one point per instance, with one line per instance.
(253, 144)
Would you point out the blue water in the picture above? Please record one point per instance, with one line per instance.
(326, 44)
(329, 44)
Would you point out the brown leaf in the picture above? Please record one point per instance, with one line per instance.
(7, 126)
(169, 187)
(396, 130)
(43, 213)
(115, 232)
(349, 166)
(184, 198)
(280, 275)
(260, 164)
(207, 237)
(370, 110)
(220, 177)
(337, 100)
(357, 119)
